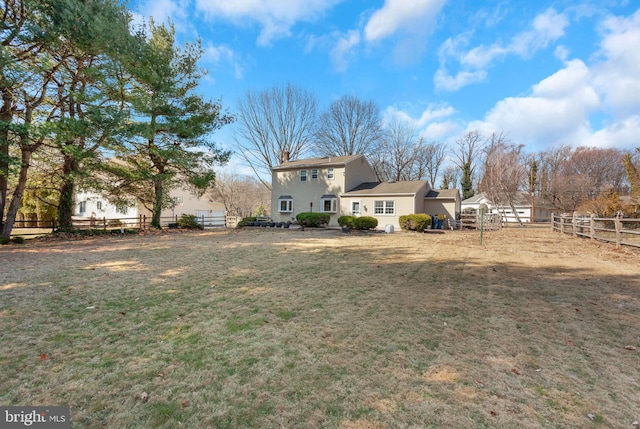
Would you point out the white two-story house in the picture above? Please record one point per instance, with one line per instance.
(346, 185)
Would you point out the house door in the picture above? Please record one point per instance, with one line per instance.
(355, 208)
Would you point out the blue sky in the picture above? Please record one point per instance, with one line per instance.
(545, 73)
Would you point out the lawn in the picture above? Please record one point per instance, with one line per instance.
(269, 328)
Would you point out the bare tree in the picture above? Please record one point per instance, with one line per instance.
(505, 172)
(467, 152)
(241, 194)
(349, 126)
(568, 177)
(401, 153)
(274, 121)
(450, 177)
(434, 156)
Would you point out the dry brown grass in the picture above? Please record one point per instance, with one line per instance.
(266, 328)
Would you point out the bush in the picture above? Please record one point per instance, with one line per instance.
(365, 222)
(415, 222)
(347, 221)
(189, 222)
(313, 220)
(4, 240)
(246, 221)
(18, 240)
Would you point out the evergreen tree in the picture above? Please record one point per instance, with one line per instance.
(168, 136)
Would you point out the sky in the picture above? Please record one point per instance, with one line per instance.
(543, 73)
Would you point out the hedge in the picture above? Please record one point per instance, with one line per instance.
(313, 220)
(347, 221)
(415, 222)
(365, 222)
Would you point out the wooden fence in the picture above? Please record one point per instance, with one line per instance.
(31, 228)
(617, 230)
(491, 221)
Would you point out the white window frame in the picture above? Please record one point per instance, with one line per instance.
(356, 212)
(288, 206)
(330, 173)
(314, 174)
(333, 205)
(384, 207)
(303, 175)
(99, 205)
(82, 207)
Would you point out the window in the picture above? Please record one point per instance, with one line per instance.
(387, 207)
(314, 174)
(122, 209)
(285, 205)
(329, 205)
(82, 207)
(330, 173)
(303, 175)
(355, 208)
(99, 205)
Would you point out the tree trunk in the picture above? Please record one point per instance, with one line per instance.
(515, 212)
(16, 199)
(5, 118)
(157, 204)
(65, 204)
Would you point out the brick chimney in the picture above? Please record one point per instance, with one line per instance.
(285, 156)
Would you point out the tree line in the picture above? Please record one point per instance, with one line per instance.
(81, 86)
(285, 118)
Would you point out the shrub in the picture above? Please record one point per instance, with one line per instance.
(415, 222)
(347, 221)
(189, 222)
(18, 240)
(312, 220)
(365, 222)
(246, 221)
(4, 240)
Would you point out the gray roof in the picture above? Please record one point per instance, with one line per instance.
(379, 188)
(443, 193)
(329, 161)
(476, 198)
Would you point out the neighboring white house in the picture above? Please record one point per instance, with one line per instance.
(522, 204)
(346, 185)
(90, 205)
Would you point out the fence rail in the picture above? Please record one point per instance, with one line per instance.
(617, 230)
(32, 228)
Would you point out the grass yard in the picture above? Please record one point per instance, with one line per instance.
(308, 329)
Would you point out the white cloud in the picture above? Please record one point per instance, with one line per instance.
(440, 131)
(620, 134)
(275, 16)
(446, 82)
(618, 74)
(431, 122)
(560, 107)
(343, 49)
(217, 55)
(406, 15)
(409, 22)
(546, 28)
(556, 112)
